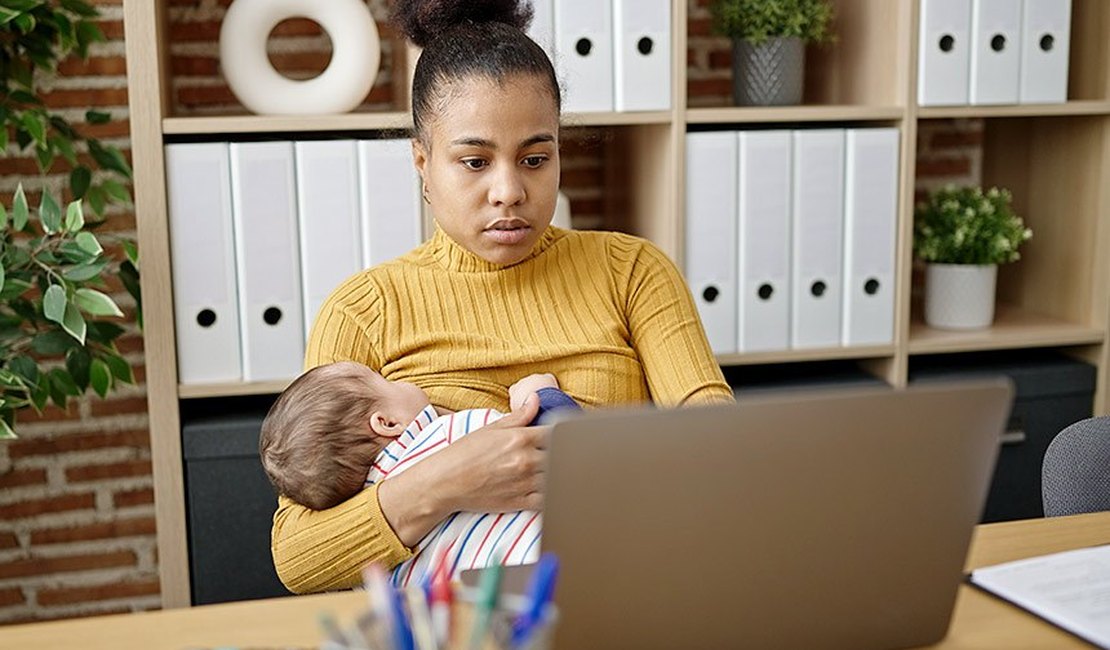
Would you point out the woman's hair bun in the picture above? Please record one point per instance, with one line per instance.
(423, 20)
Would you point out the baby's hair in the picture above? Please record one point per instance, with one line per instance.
(315, 443)
(468, 38)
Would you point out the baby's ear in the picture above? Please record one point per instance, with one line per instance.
(385, 426)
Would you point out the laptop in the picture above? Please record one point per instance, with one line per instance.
(814, 520)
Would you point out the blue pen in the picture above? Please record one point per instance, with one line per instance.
(402, 630)
(540, 590)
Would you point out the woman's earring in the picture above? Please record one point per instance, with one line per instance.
(425, 194)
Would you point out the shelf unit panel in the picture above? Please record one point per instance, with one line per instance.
(1013, 328)
(795, 356)
(195, 391)
(231, 124)
(773, 114)
(1081, 107)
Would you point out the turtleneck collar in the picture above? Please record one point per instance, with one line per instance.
(453, 257)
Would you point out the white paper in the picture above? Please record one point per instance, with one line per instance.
(1070, 589)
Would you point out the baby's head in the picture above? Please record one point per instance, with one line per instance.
(324, 431)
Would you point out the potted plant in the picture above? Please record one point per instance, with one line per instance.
(768, 46)
(54, 341)
(963, 234)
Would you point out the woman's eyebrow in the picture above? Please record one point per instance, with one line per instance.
(489, 144)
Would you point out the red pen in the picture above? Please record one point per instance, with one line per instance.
(441, 602)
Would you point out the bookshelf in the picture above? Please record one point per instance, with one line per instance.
(1056, 159)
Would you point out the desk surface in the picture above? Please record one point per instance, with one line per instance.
(980, 621)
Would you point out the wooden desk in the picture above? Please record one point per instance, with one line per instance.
(980, 621)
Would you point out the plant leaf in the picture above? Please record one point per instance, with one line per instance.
(121, 370)
(52, 343)
(25, 367)
(79, 180)
(84, 272)
(78, 363)
(104, 332)
(132, 251)
(54, 303)
(75, 217)
(100, 376)
(96, 303)
(13, 288)
(20, 213)
(97, 199)
(116, 190)
(34, 127)
(74, 323)
(6, 432)
(97, 117)
(50, 213)
(88, 243)
(3, 213)
(109, 157)
(2, 278)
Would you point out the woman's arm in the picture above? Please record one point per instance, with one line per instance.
(667, 334)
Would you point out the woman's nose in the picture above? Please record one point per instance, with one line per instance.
(507, 188)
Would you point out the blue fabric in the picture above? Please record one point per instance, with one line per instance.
(552, 400)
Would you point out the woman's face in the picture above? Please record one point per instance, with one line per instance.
(492, 171)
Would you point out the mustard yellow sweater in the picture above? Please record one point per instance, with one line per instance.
(607, 313)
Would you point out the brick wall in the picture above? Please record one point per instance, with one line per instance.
(76, 499)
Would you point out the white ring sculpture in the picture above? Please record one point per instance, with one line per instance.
(356, 53)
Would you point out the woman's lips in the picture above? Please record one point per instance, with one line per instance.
(508, 233)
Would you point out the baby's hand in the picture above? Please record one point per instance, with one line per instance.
(520, 391)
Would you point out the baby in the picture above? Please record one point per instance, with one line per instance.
(341, 427)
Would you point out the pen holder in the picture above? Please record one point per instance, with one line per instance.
(369, 632)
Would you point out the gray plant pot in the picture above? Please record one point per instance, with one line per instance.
(769, 74)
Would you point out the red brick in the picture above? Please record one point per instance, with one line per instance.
(107, 591)
(133, 498)
(956, 139)
(125, 406)
(139, 370)
(102, 530)
(582, 207)
(709, 87)
(22, 477)
(581, 178)
(206, 96)
(37, 566)
(8, 540)
(297, 27)
(300, 61)
(113, 29)
(127, 344)
(700, 27)
(115, 129)
(126, 469)
(86, 98)
(13, 596)
(35, 507)
(194, 66)
(720, 59)
(93, 66)
(208, 30)
(943, 167)
(49, 414)
(81, 442)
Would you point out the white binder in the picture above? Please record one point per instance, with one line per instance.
(818, 233)
(642, 54)
(392, 221)
(328, 214)
(944, 57)
(542, 28)
(870, 235)
(764, 240)
(584, 53)
(1045, 43)
(995, 51)
(711, 240)
(263, 191)
(202, 250)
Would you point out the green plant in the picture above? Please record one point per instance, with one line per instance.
(53, 266)
(759, 20)
(964, 225)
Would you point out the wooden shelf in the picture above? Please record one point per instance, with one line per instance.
(194, 391)
(772, 114)
(232, 124)
(1013, 328)
(1025, 110)
(796, 356)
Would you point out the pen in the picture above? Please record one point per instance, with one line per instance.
(422, 632)
(488, 591)
(381, 602)
(540, 589)
(441, 602)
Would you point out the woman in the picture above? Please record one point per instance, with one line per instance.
(494, 295)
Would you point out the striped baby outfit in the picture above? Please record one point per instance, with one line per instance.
(470, 539)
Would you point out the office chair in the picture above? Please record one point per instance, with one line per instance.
(1075, 475)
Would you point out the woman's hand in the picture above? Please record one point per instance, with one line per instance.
(498, 468)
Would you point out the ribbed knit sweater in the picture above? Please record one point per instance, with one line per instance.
(607, 313)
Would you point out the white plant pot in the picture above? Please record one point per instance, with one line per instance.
(960, 296)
